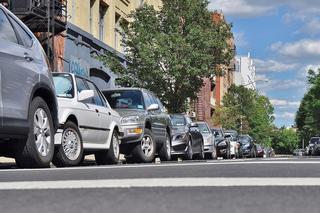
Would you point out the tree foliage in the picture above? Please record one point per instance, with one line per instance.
(308, 115)
(171, 50)
(247, 112)
(284, 141)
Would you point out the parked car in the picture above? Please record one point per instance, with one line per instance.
(310, 149)
(187, 141)
(222, 145)
(299, 152)
(28, 105)
(248, 147)
(260, 151)
(269, 152)
(145, 122)
(232, 136)
(87, 124)
(208, 138)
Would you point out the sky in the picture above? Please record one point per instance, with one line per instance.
(283, 37)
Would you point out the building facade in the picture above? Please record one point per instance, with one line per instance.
(245, 74)
(91, 28)
(211, 94)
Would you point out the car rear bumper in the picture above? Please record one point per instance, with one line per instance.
(208, 148)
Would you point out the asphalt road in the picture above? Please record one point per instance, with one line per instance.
(259, 185)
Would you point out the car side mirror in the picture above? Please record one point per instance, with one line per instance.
(153, 107)
(85, 95)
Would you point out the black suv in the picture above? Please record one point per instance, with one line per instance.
(145, 122)
(28, 105)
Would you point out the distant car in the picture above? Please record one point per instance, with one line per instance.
(269, 152)
(222, 145)
(145, 122)
(186, 140)
(260, 151)
(87, 124)
(299, 152)
(310, 149)
(28, 104)
(247, 146)
(232, 136)
(208, 137)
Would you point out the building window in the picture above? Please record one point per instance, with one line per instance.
(102, 14)
(117, 30)
(91, 15)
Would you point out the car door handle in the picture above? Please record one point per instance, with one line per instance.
(27, 57)
(109, 113)
(97, 111)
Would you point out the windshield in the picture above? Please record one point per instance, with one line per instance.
(244, 139)
(314, 140)
(125, 99)
(203, 128)
(177, 120)
(63, 85)
(217, 132)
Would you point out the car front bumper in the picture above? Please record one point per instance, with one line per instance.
(132, 133)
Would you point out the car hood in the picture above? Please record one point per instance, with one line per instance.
(128, 112)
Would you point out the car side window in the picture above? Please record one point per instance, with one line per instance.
(6, 30)
(97, 99)
(26, 39)
(147, 99)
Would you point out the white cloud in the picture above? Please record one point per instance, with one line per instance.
(240, 40)
(242, 8)
(305, 48)
(284, 103)
(279, 85)
(286, 115)
(272, 66)
(249, 8)
(311, 26)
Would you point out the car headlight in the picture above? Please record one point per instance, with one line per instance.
(130, 119)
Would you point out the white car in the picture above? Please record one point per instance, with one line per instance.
(87, 124)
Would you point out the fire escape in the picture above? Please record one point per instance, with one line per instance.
(45, 18)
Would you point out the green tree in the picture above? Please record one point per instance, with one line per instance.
(284, 141)
(247, 112)
(170, 51)
(308, 115)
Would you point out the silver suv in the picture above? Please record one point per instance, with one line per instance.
(28, 105)
(145, 123)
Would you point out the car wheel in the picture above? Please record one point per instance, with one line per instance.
(70, 152)
(165, 151)
(37, 151)
(201, 154)
(189, 153)
(214, 153)
(145, 150)
(112, 155)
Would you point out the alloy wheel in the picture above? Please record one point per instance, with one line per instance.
(71, 144)
(42, 133)
(116, 148)
(147, 145)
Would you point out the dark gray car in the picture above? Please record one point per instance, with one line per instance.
(28, 106)
(145, 123)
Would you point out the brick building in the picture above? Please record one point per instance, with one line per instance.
(213, 90)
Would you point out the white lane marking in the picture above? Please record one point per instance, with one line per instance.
(208, 163)
(159, 182)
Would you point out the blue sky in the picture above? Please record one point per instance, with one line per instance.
(283, 37)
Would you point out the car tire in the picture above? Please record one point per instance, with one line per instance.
(145, 150)
(38, 149)
(201, 155)
(71, 140)
(189, 153)
(214, 154)
(112, 155)
(165, 151)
